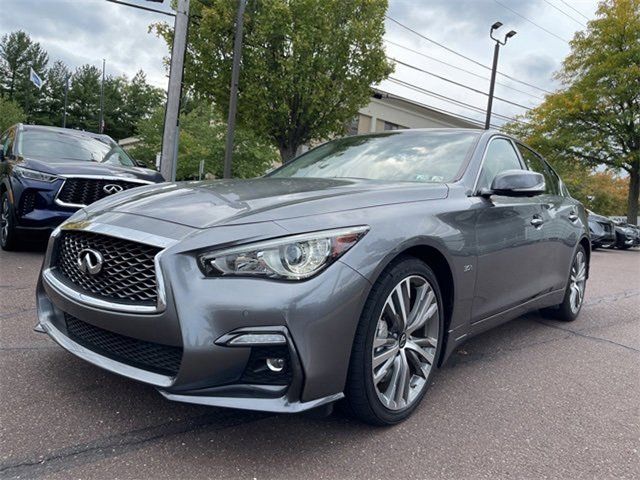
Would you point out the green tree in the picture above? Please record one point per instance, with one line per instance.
(84, 98)
(140, 100)
(10, 113)
(18, 53)
(595, 119)
(202, 137)
(307, 66)
(51, 106)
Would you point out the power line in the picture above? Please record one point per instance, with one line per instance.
(443, 111)
(575, 10)
(449, 99)
(461, 69)
(531, 21)
(515, 104)
(564, 13)
(464, 56)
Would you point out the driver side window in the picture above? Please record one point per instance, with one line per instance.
(500, 156)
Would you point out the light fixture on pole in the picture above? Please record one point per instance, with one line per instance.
(494, 70)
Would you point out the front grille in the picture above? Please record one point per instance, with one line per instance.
(85, 191)
(28, 202)
(128, 271)
(153, 357)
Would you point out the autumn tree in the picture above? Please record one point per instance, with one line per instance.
(307, 66)
(594, 120)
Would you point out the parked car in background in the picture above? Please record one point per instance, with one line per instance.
(352, 271)
(48, 173)
(627, 235)
(602, 230)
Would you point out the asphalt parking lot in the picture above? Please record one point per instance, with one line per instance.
(532, 399)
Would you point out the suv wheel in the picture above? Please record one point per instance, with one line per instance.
(7, 229)
(397, 344)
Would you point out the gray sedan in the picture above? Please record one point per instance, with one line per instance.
(351, 272)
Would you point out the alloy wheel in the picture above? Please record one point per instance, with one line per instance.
(405, 343)
(4, 220)
(577, 282)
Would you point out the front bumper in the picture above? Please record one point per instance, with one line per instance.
(35, 206)
(318, 317)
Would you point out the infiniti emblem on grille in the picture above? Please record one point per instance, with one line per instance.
(112, 188)
(90, 261)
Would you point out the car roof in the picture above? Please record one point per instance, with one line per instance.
(66, 131)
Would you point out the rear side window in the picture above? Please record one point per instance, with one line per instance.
(535, 163)
(500, 156)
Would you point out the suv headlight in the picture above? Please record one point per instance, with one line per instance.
(290, 258)
(33, 174)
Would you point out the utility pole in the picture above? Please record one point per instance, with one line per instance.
(174, 91)
(101, 121)
(66, 95)
(494, 69)
(233, 99)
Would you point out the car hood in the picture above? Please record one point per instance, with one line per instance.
(211, 203)
(79, 168)
(599, 218)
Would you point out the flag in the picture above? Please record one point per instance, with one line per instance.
(35, 79)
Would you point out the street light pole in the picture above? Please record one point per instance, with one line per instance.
(169, 155)
(233, 100)
(494, 69)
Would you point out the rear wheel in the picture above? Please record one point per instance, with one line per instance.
(8, 232)
(397, 344)
(571, 305)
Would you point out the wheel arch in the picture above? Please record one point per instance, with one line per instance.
(586, 244)
(436, 258)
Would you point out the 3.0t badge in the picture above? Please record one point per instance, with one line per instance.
(90, 261)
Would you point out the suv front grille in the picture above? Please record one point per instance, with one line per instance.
(128, 273)
(85, 191)
(150, 356)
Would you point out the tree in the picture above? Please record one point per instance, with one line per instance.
(10, 113)
(18, 53)
(307, 66)
(51, 106)
(202, 137)
(595, 119)
(84, 98)
(140, 101)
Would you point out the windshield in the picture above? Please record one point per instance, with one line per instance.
(418, 156)
(56, 145)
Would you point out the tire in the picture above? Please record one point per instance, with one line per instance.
(568, 311)
(8, 234)
(416, 349)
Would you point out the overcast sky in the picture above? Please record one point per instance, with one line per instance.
(86, 31)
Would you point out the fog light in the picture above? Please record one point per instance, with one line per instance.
(275, 364)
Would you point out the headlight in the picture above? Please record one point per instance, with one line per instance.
(33, 174)
(291, 258)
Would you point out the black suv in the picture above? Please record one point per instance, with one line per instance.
(48, 173)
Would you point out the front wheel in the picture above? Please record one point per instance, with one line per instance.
(397, 344)
(571, 305)
(8, 232)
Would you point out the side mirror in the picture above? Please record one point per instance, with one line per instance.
(517, 183)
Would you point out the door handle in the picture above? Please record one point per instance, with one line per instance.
(537, 222)
(572, 216)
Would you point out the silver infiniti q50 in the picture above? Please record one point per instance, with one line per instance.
(351, 272)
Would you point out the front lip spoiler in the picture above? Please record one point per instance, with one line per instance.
(103, 362)
(274, 405)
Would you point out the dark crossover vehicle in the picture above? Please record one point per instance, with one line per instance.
(354, 270)
(48, 173)
(627, 236)
(602, 230)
